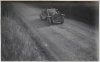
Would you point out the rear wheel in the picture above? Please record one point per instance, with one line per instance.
(62, 21)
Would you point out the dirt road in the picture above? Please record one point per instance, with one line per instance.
(71, 41)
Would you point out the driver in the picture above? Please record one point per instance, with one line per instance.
(52, 11)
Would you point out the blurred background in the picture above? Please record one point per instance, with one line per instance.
(84, 11)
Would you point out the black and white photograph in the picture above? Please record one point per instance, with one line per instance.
(49, 30)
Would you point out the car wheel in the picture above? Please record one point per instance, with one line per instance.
(49, 20)
(41, 18)
(52, 21)
(62, 21)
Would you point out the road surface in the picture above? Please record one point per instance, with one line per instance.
(38, 40)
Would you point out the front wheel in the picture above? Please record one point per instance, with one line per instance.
(49, 19)
(62, 21)
(41, 18)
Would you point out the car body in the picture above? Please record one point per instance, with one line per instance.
(52, 15)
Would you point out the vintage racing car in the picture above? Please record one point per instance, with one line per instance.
(52, 15)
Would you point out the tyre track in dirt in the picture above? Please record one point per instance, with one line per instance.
(32, 31)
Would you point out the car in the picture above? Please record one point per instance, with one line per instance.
(52, 16)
